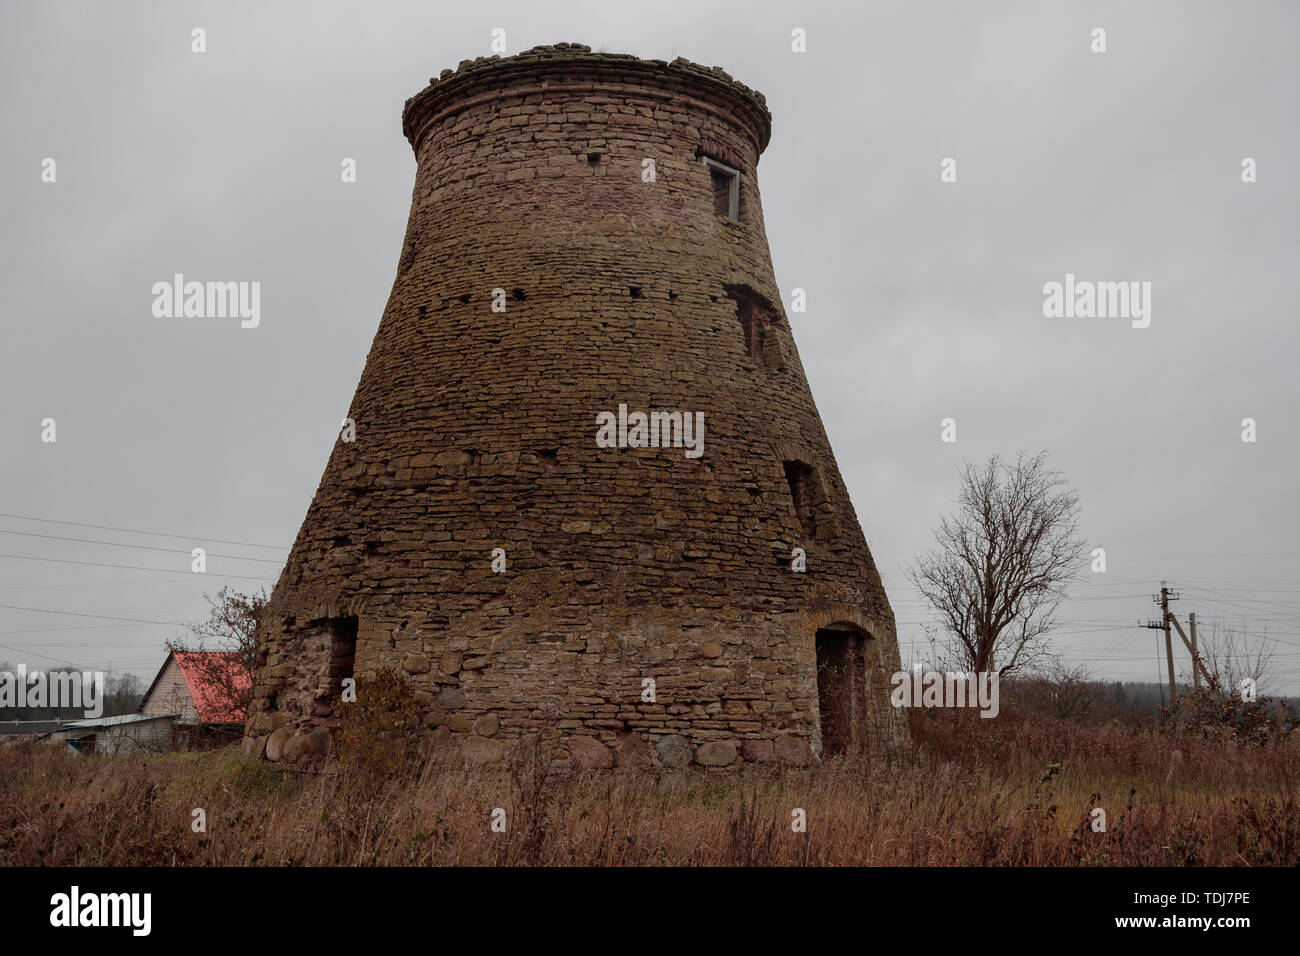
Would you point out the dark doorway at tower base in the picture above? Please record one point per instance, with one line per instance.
(841, 671)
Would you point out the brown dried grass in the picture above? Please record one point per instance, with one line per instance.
(1015, 791)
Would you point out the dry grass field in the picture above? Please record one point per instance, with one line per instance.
(1015, 791)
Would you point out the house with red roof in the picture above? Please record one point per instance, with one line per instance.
(200, 687)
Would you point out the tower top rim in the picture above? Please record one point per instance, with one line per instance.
(749, 105)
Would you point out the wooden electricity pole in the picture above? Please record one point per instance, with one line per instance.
(1163, 600)
(1198, 666)
(1196, 654)
(1167, 620)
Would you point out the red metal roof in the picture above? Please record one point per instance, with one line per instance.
(206, 694)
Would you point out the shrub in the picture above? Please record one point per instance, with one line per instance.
(379, 734)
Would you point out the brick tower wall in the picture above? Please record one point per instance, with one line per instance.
(476, 430)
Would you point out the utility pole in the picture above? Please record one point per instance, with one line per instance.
(1163, 600)
(1196, 656)
(1198, 668)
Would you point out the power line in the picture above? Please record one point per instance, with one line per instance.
(139, 547)
(1193, 587)
(60, 660)
(1208, 557)
(86, 584)
(113, 644)
(1224, 597)
(105, 617)
(128, 567)
(53, 630)
(156, 534)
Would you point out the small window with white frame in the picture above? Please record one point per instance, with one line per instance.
(726, 188)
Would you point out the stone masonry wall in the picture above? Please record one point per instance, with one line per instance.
(475, 430)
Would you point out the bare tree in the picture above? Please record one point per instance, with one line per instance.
(231, 628)
(122, 694)
(1002, 562)
(1066, 691)
(1231, 656)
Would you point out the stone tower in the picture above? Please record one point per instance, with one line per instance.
(585, 363)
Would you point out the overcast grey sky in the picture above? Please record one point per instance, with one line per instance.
(924, 298)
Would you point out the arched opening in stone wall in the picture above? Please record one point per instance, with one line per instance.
(841, 688)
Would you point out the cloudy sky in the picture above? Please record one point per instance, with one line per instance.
(925, 299)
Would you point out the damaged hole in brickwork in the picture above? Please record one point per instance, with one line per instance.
(802, 480)
(548, 457)
(464, 299)
(634, 291)
(342, 541)
(672, 294)
(758, 319)
(518, 294)
(593, 159)
(423, 310)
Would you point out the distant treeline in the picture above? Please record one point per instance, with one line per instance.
(1149, 697)
(1080, 699)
